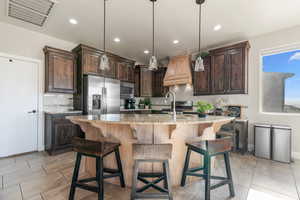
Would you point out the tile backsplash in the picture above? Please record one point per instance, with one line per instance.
(57, 101)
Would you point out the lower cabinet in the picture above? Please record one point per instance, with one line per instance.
(59, 132)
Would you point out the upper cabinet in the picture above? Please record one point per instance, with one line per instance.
(218, 70)
(226, 71)
(125, 71)
(146, 82)
(229, 69)
(88, 62)
(142, 82)
(202, 80)
(60, 72)
(158, 88)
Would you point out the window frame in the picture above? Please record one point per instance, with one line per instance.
(269, 52)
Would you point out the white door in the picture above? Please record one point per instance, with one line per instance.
(18, 106)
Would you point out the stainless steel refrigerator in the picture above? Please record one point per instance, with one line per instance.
(100, 95)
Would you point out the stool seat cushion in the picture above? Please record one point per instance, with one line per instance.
(152, 151)
(213, 146)
(95, 148)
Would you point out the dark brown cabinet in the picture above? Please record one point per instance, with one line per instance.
(158, 89)
(219, 73)
(236, 71)
(142, 82)
(90, 62)
(60, 71)
(122, 71)
(202, 80)
(229, 67)
(146, 82)
(59, 132)
(137, 82)
(125, 71)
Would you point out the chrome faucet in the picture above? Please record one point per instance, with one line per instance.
(171, 93)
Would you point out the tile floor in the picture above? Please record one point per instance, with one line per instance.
(37, 176)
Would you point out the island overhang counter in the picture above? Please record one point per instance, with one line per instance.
(148, 129)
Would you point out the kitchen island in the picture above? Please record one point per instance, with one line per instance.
(148, 129)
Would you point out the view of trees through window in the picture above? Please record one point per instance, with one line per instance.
(281, 82)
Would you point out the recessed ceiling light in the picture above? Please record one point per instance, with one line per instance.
(146, 51)
(117, 40)
(217, 27)
(73, 21)
(175, 41)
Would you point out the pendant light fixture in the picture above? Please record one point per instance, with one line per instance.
(153, 61)
(199, 65)
(104, 63)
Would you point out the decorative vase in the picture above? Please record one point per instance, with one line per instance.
(202, 115)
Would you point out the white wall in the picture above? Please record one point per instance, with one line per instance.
(23, 43)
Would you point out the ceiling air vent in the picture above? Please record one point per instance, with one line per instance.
(32, 11)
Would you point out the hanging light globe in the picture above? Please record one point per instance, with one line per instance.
(104, 63)
(199, 65)
(153, 63)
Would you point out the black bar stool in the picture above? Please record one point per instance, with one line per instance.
(97, 150)
(152, 153)
(208, 149)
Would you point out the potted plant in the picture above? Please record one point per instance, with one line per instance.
(147, 102)
(141, 104)
(203, 108)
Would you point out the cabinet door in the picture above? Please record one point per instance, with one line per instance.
(60, 71)
(202, 80)
(236, 71)
(158, 89)
(91, 61)
(130, 73)
(122, 71)
(146, 83)
(64, 130)
(137, 82)
(218, 73)
(111, 72)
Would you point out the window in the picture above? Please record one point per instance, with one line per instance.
(281, 82)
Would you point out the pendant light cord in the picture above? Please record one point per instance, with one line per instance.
(153, 29)
(104, 35)
(199, 27)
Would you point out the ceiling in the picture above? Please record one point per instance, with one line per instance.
(175, 19)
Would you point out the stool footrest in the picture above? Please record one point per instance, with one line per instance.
(111, 175)
(153, 196)
(86, 180)
(87, 187)
(111, 171)
(224, 182)
(150, 174)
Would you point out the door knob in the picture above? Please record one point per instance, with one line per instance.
(33, 111)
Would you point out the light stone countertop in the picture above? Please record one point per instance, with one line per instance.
(149, 119)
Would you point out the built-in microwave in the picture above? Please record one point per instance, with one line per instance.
(126, 90)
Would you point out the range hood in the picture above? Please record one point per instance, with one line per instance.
(179, 71)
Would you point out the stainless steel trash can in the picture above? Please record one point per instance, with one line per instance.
(262, 142)
(281, 143)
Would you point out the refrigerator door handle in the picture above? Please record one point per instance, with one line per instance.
(104, 99)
